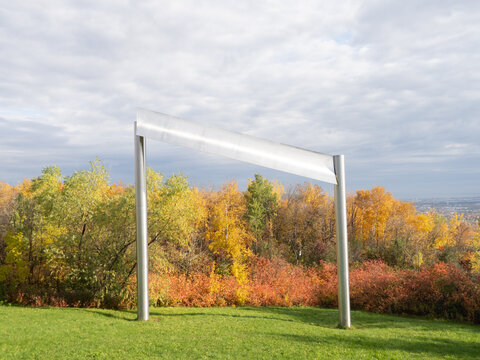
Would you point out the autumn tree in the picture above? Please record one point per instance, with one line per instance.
(75, 236)
(453, 240)
(176, 220)
(263, 199)
(375, 207)
(475, 250)
(8, 195)
(228, 234)
(305, 223)
(35, 219)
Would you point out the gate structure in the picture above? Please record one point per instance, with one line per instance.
(246, 148)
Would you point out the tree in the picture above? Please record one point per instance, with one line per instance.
(35, 219)
(177, 213)
(389, 229)
(305, 223)
(227, 232)
(476, 250)
(262, 199)
(375, 208)
(8, 196)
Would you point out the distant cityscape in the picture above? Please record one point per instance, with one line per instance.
(469, 206)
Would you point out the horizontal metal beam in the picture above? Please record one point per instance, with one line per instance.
(246, 148)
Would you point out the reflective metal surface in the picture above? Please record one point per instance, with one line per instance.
(236, 146)
(342, 244)
(141, 212)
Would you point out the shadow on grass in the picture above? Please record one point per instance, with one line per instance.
(319, 317)
(422, 345)
(428, 339)
(113, 314)
(211, 314)
(130, 315)
(363, 320)
(325, 318)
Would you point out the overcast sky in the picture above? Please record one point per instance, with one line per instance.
(393, 85)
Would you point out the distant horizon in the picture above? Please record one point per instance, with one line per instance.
(285, 179)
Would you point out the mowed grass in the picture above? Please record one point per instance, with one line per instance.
(228, 333)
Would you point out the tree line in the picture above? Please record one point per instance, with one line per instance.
(73, 237)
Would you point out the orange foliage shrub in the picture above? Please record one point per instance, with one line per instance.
(440, 290)
(271, 283)
(374, 286)
(278, 283)
(197, 290)
(282, 284)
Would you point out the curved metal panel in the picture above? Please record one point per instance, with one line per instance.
(236, 146)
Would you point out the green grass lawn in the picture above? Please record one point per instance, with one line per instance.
(228, 333)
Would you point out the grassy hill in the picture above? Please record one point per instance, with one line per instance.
(228, 333)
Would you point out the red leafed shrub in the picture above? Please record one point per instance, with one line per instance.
(328, 290)
(271, 283)
(440, 290)
(375, 287)
(276, 282)
(190, 291)
(197, 289)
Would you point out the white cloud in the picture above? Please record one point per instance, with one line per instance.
(384, 82)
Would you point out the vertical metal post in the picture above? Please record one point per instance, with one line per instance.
(141, 212)
(342, 244)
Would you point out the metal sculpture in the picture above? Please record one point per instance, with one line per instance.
(245, 148)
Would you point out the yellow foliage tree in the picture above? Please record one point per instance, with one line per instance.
(7, 206)
(14, 267)
(227, 232)
(475, 260)
(375, 207)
